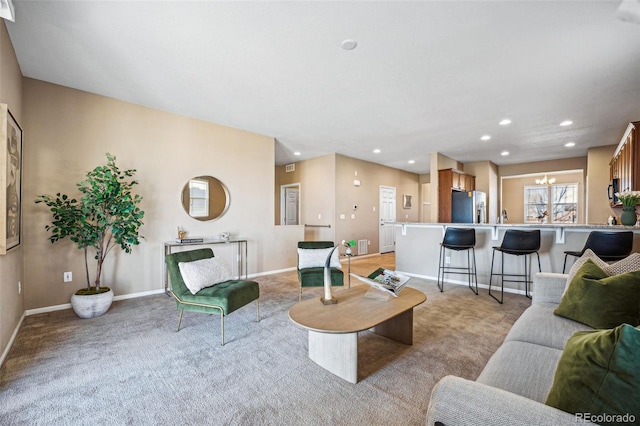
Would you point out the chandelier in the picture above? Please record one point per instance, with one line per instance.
(545, 181)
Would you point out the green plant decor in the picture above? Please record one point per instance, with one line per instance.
(106, 215)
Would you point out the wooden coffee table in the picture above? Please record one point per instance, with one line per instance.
(333, 329)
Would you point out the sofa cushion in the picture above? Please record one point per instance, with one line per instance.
(600, 301)
(523, 368)
(598, 373)
(538, 325)
(628, 264)
(316, 258)
(203, 273)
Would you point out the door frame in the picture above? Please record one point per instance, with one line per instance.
(283, 201)
(395, 201)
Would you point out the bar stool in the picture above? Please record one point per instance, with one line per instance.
(517, 243)
(458, 239)
(608, 246)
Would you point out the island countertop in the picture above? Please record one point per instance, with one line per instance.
(418, 246)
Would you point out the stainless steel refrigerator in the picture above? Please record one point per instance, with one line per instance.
(468, 207)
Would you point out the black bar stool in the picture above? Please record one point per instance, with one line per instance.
(608, 246)
(458, 239)
(517, 243)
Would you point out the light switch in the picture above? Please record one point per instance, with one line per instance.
(342, 216)
(319, 215)
(353, 216)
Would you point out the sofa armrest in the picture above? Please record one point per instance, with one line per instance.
(459, 402)
(548, 287)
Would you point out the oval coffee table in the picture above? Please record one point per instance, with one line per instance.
(333, 329)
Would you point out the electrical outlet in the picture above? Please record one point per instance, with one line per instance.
(447, 260)
(19, 287)
(68, 277)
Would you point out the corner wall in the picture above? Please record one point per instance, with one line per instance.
(68, 133)
(11, 264)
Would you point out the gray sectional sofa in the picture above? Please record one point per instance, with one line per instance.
(512, 388)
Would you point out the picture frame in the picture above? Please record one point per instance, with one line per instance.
(10, 180)
(406, 201)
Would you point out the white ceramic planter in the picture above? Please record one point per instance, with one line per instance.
(92, 306)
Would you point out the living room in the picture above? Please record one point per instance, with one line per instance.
(67, 131)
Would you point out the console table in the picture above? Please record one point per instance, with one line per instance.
(241, 255)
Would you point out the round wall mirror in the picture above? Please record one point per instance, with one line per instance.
(205, 198)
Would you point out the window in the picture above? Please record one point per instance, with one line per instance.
(564, 203)
(558, 202)
(198, 198)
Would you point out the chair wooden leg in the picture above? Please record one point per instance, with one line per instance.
(300, 294)
(258, 310)
(179, 320)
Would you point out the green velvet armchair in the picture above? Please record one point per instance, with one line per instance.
(314, 276)
(222, 298)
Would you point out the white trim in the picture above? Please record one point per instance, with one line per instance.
(11, 340)
(68, 305)
(465, 283)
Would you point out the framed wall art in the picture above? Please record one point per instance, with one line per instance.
(406, 201)
(10, 180)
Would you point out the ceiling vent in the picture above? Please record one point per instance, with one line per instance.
(290, 168)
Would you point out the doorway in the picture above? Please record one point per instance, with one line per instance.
(387, 214)
(290, 200)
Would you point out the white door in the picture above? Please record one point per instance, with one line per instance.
(291, 208)
(387, 214)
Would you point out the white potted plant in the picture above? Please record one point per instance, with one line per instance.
(105, 216)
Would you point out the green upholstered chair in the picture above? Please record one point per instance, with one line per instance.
(314, 277)
(222, 298)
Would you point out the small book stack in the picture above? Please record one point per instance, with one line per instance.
(190, 240)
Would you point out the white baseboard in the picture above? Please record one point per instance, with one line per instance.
(5, 353)
(68, 305)
(457, 282)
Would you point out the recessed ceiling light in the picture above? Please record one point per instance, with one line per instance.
(570, 144)
(296, 153)
(411, 161)
(504, 153)
(376, 151)
(505, 122)
(485, 138)
(349, 44)
(566, 123)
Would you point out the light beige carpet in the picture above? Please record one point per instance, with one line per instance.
(130, 367)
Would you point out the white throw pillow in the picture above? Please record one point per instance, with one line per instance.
(204, 273)
(628, 264)
(316, 258)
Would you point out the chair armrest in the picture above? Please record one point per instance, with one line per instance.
(548, 287)
(459, 402)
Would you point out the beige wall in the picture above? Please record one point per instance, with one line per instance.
(11, 302)
(513, 193)
(327, 191)
(69, 132)
(366, 222)
(598, 179)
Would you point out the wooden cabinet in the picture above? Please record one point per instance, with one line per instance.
(451, 180)
(625, 165)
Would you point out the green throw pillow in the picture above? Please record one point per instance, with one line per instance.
(598, 375)
(600, 301)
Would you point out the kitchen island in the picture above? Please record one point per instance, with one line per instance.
(418, 248)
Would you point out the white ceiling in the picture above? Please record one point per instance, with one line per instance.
(425, 77)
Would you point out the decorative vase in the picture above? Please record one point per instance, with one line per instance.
(91, 305)
(628, 217)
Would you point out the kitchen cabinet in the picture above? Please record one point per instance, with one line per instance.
(625, 164)
(451, 180)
